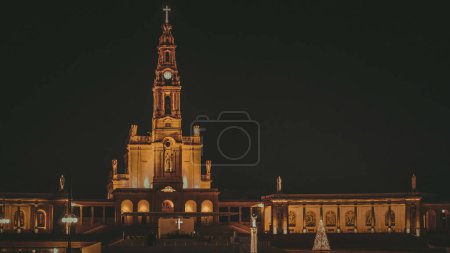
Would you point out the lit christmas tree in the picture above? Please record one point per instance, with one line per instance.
(321, 240)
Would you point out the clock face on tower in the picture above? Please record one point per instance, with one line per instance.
(167, 75)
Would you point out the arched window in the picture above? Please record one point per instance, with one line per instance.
(167, 57)
(143, 206)
(389, 219)
(126, 206)
(292, 221)
(19, 219)
(40, 218)
(350, 219)
(167, 206)
(167, 105)
(207, 207)
(310, 219)
(190, 206)
(330, 219)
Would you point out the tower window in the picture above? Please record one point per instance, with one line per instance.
(167, 57)
(167, 106)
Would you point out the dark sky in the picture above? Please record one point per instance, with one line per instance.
(350, 96)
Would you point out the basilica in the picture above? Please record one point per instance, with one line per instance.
(163, 183)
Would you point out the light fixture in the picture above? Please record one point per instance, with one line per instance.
(69, 219)
(4, 221)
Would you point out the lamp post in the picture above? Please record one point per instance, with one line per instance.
(3, 220)
(69, 219)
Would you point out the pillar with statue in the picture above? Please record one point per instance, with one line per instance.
(253, 235)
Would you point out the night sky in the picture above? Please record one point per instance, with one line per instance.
(351, 97)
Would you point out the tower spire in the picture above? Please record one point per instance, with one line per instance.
(166, 10)
(166, 86)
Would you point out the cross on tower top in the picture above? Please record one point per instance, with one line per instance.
(167, 9)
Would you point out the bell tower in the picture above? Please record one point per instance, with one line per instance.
(166, 122)
(164, 160)
(166, 88)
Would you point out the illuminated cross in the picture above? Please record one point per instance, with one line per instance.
(167, 9)
(179, 222)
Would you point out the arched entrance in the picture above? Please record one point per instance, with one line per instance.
(167, 206)
(126, 207)
(143, 209)
(190, 206)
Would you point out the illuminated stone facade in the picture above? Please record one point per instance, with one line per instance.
(165, 157)
(353, 213)
(161, 172)
(161, 176)
(301, 213)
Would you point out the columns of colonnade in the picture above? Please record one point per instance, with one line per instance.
(355, 211)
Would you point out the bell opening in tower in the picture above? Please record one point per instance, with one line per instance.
(167, 57)
(167, 106)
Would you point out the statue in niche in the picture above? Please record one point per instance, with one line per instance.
(330, 219)
(369, 219)
(291, 217)
(168, 161)
(390, 218)
(310, 219)
(350, 219)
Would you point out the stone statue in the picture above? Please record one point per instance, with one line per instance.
(254, 217)
(253, 235)
(330, 218)
(310, 219)
(413, 182)
(350, 218)
(291, 219)
(196, 130)
(208, 169)
(279, 182)
(62, 180)
(168, 161)
(133, 130)
(114, 166)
